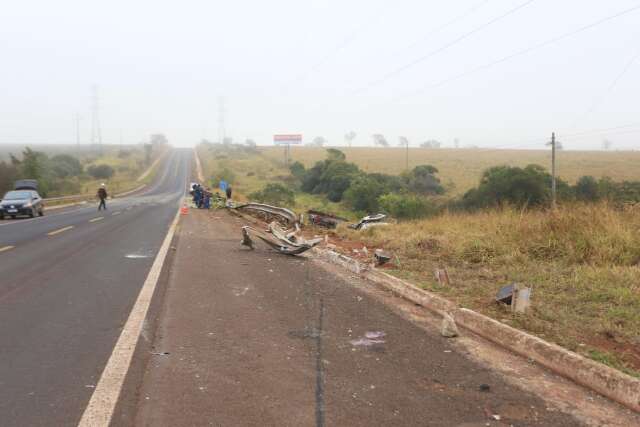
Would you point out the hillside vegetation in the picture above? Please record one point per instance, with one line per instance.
(460, 169)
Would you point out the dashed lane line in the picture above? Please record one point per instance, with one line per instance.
(100, 218)
(116, 213)
(61, 230)
(6, 248)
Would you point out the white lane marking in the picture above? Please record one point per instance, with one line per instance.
(116, 213)
(6, 248)
(60, 230)
(100, 218)
(103, 401)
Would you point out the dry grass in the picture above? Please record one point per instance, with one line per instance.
(461, 169)
(583, 263)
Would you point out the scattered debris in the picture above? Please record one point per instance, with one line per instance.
(381, 257)
(285, 242)
(515, 295)
(485, 388)
(323, 219)
(369, 221)
(449, 328)
(164, 353)
(442, 276)
(284, 215)
(372, 338)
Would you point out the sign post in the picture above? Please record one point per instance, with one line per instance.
(287, 140)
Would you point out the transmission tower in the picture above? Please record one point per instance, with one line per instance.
(96, 132)
(221, 112)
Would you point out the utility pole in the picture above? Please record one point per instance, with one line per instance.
(96, 132)
(78, 133)
(221, 111)
(553, 170)
(407, 156)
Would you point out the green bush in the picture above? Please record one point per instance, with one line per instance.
(362, 195)
(406, 206)
(422, 180)
(100, 171)
(274, 194)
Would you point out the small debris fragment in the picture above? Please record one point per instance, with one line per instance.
(164, 353)
(381, 257)
(485, 388)
(449, 328)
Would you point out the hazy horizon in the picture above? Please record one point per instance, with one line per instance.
(490, 73)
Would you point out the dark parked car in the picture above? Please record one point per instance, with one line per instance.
(24, 200)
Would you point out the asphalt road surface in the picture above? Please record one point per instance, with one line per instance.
(68, 281)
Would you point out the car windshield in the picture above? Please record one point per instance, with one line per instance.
(17, 195)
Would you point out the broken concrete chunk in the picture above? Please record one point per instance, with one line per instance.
(449, 328)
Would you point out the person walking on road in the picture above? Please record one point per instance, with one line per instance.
(102, 195)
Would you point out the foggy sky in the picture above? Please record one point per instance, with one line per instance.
(317, 68)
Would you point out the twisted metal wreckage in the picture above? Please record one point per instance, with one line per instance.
(290, 241)
(285, 241)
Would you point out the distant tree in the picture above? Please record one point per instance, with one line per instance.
(380, 140)
(250, 143)
(349, 137)
(606, 144)
(158, 139)
(403, 141)
(297, 170)
(333, 154)
(8, 175)
(422, 180)
(274, 194)
(65, 165)
(456, 143)
(513, 185)
(318, 141)
(227, 140)
(586, 189)
(431, 143)
(100, 171)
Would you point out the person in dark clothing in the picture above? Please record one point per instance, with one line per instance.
(102, 195)
(229, 191)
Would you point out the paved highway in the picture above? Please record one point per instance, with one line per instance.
(68, 281)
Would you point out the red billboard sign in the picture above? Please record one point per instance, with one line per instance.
(287, 139)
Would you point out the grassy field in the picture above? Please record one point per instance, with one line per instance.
(460, 170)
(582, 261)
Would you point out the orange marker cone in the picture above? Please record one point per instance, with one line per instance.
(184, 210)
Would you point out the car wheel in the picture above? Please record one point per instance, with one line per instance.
(13, 217)
(1, 217)
(41, 212)
(32, 213)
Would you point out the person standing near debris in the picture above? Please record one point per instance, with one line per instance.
(228, 191)
(102, 195)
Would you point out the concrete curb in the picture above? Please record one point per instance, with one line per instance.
(600, 378)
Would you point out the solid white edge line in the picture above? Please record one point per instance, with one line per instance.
(103, 402)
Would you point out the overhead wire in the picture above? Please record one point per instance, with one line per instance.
(529, 49)
(444, 47)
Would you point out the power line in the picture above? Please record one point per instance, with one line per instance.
(527, 50)
(448, 24)
(445, 47)
(599, 100)
(353, 35)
